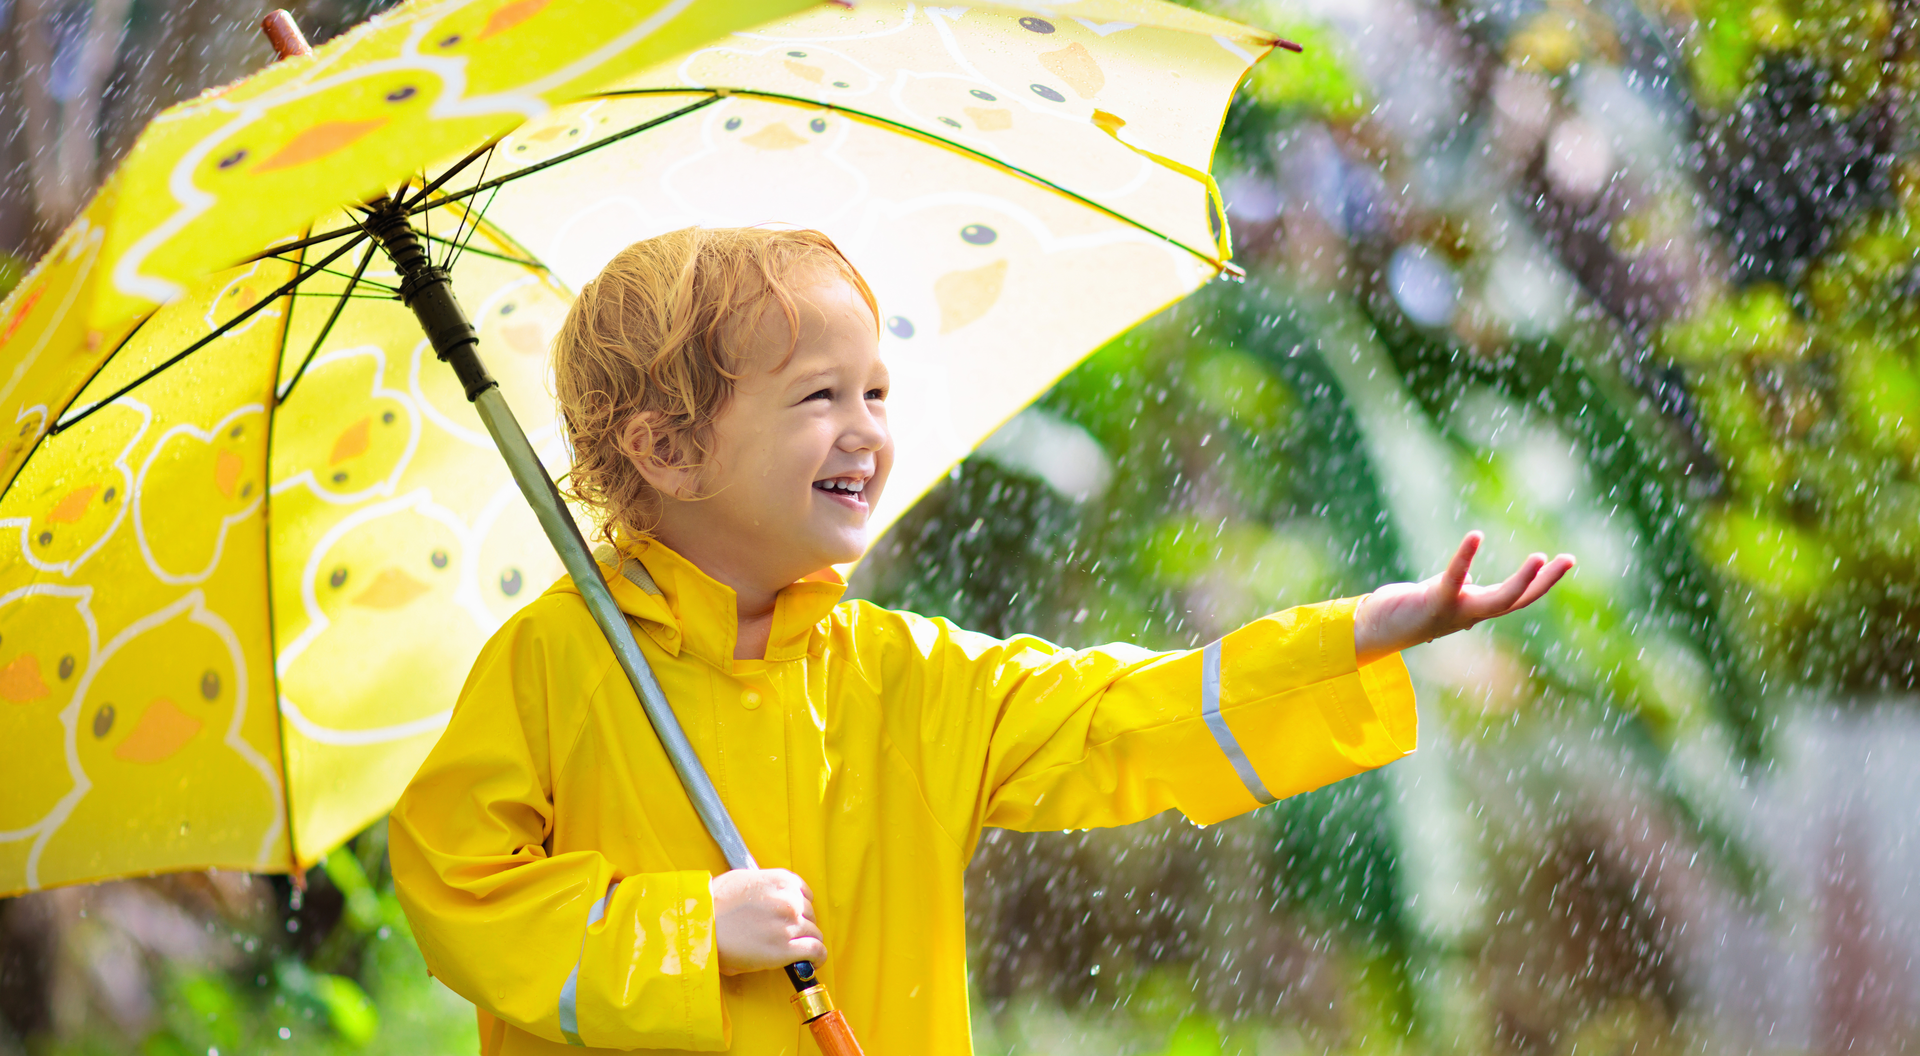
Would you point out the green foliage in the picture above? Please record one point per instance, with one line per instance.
(12, 270)
(1320, 79)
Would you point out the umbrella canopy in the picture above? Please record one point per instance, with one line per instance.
(261, 534)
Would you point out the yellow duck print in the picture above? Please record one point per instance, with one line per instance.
(343, 434)
(386, 574)
(199, 483)
(47, 642)
(156, 732)
(734, 142)
(63, 518)
(517, 563)
(804, 68)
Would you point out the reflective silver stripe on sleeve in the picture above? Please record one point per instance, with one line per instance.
(569, 1014)
(1222, 734)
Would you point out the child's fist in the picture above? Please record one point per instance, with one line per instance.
(763, 918)
(1400, 615)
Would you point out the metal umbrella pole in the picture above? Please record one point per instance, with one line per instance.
(427, 289)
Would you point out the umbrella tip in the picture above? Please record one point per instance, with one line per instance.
(284, 34)
(1287, 45)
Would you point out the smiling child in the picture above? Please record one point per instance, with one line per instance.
(726, 403)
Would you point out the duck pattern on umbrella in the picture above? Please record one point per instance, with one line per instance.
(238, 600)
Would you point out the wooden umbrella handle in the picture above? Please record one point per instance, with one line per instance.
(834, 1037)
(829, 1024)
(284, 34)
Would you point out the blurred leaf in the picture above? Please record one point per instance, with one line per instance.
(349, 1011)
(1318, 79)
(1771, 555)
(347, 875)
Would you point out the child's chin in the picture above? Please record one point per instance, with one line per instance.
(844, 546)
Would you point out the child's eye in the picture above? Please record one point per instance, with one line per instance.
(823, 394)
(876, 394)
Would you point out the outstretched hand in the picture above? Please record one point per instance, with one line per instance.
(1400, 615)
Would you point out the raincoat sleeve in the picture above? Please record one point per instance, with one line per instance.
(557, 945)
(1021, 734)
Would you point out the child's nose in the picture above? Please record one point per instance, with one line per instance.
(866, 431)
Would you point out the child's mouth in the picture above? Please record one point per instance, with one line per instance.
(847, 491)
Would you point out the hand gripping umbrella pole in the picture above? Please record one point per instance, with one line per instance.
(427, 289)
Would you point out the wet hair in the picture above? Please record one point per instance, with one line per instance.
(658, 332)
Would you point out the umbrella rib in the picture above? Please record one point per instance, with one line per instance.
(7, 488)
(861, 115)
(453, 253)
(394, 290)
(338, 232)
(458, 167)
(467, 248)
(326, 328)
(414, 207)
(62, 425)
(477, 218)
(310, 240)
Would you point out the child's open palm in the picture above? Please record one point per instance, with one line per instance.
(1400, 615)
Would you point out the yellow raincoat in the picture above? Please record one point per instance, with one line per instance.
(556, 875)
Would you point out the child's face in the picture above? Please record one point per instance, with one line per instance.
(799, 454)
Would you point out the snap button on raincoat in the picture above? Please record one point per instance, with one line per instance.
(556, 876)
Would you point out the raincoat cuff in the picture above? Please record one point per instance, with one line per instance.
(649, 971)
(1304, 713)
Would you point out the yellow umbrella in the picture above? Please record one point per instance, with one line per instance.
(253, 534)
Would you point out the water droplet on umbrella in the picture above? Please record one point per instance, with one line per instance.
(45, 539)
(386, 418)
(510, 582)
(980, 94)
(402, 94)
(1036, 25)
(66, 667)
(1047, 93)
(337, 578)
(109, 495)
(210, 685)
(900, 327)
(818, 124)
(103, 721)
(340, 477)
(796, 54)
(439, 559)
(978, 234)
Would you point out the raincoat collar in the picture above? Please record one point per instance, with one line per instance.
(683, 608)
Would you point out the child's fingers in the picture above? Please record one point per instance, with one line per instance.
(1488, 602)
(806, 943)
(1549, 574)
(1455, 576)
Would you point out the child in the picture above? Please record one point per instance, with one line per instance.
(726, 403)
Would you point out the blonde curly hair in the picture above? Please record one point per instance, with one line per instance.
(657, 331)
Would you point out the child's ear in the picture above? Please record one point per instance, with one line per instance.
(653, 451)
